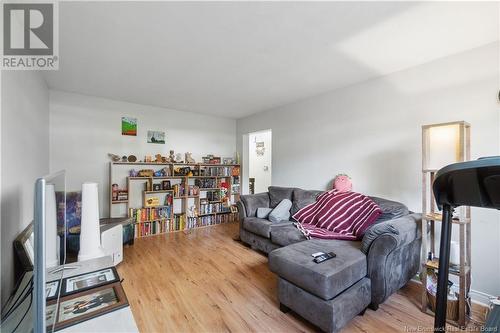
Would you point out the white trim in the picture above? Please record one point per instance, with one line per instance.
(476, 296)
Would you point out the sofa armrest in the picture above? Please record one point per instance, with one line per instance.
(250, 203)
(400, 231)
(393, 254)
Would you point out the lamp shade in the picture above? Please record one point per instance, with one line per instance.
(51, 257)
(444, 145)
(90, 237)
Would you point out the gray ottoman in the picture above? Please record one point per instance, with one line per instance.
(329, 294)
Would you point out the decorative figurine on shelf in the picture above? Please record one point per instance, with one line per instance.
(178, 158)
(189, 158)
(158, 173)
(147, 159)
(114, 157)
(342, 183)
(124, 158)
(146, 173)
(192, 212)
(131, 158)
(158, 158)
(133, 173)
(171, 157)
(166, 171)
(224, 190)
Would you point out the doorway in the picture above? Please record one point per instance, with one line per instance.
(259, 160)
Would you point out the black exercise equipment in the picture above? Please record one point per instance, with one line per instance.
(473, 183)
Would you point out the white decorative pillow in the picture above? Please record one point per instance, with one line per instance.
(281, 211)
(263, 213)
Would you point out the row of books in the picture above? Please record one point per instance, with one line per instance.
(205, 182)
(152, 228)
(180, 222)
(216, 219)
(217, 171)
(208, 208)
(213, 196)
(149, 214)
(220, 171)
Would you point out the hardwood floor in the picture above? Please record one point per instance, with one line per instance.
(204, 281)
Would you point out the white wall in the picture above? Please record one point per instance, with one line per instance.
(25, 157)
(258, 163)
(372, 131)
(83, 130)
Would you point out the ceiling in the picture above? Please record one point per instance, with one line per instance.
(234, 59)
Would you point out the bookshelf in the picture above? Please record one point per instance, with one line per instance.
(431, 218)
(196, 195)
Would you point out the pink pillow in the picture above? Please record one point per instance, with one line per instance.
(342, 183)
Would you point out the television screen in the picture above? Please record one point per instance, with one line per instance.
(49, 235)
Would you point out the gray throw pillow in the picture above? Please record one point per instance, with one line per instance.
(263, 212)
(281, 211)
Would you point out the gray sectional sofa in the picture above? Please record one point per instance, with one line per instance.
(363, 273)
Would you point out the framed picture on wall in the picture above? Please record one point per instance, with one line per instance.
(156, 137)
(129, 126)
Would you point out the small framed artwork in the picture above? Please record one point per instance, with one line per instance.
(52, 289)
(79, 307)
(234, 209)
(165, 185)
(156, 187)
(90, 280)
(129, 126)
(156, 137)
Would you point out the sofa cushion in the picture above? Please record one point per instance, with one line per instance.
(257, 226)
(286, 234)
(263, 212)
(281, 212)
(327, 279)
(277, 193)
(302, 198)
(390, 209)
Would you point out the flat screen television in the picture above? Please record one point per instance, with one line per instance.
(49, 224)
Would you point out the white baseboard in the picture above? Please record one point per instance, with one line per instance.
(475, 295)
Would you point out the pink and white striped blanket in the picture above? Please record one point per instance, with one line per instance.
(338, 215)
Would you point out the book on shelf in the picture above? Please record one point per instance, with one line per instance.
(179, 222)
(151, 228)
(149, 214)
(205, 183)
(216, 219)
(216, 171)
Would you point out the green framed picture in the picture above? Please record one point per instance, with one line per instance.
(129, 126)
